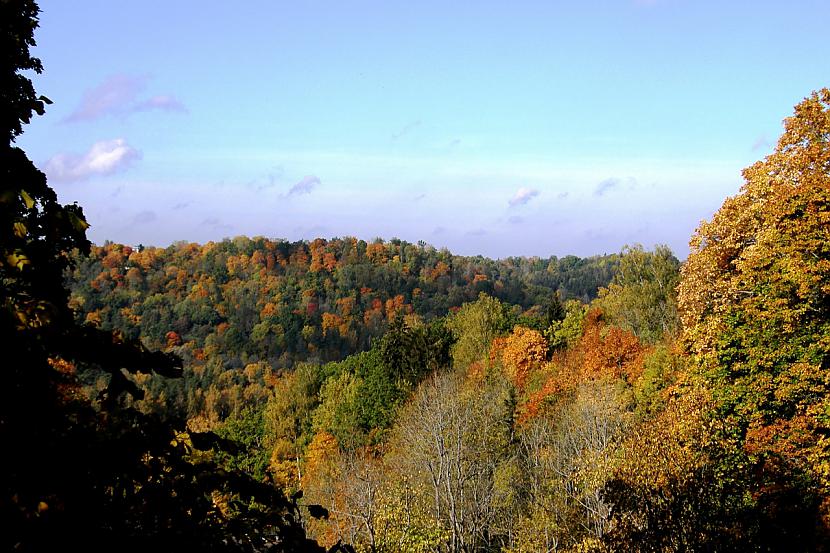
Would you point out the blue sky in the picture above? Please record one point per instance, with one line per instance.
(494, 128)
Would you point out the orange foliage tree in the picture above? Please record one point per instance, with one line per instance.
(523, 351)
(602, 352)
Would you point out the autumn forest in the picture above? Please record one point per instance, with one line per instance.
(260, 394)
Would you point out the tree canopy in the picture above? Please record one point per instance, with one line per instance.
(755, 308)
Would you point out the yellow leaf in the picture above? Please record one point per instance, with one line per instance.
(17, 259)
(20, 229)
(79, 223)
(27, 199)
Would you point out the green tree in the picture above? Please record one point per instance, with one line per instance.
(288, 421)
(568, 331)
(246, 429)
(411, 352)
(340, 410)
(474, 327)
(642, 295)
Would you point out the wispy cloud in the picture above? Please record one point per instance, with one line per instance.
(515, 220)
(144, 217)
(606, 186)
(614, 183)
(114, 95)
(305, 186)
(103, 158)
(409, 127)
(216, 224)
(270, 181)
(760, 143)
(313, 231)
(522, 196)
(119, 95)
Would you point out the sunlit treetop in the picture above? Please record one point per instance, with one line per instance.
(754, 299)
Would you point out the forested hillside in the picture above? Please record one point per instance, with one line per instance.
(479, 431)
(239, 310)
(683, 409)
(342, 396)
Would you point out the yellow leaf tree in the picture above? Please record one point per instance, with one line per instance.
(753, 300)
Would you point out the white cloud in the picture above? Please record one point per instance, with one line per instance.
(103, 158)
(522, 196)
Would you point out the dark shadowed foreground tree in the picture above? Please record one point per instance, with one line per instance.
(93, 473)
